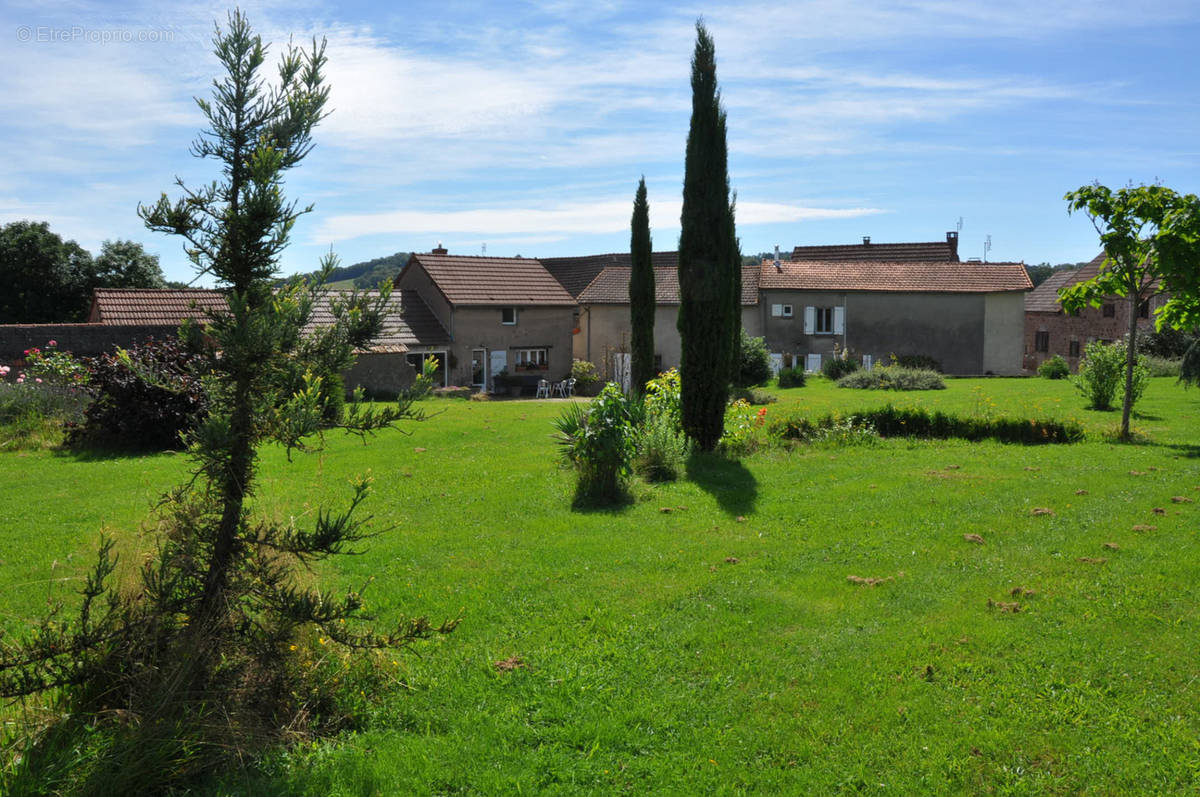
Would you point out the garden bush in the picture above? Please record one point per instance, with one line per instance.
(792, 377)
(891, 421)
(585, 376)
(752, 396)
(144, 397)
(1101, 376)
(598, 439)
(742, 426)
(893, 377)
(662, 450)
(921, 362)
(835, 368)
(754, 362)
(1054, 368)
(1162, 366)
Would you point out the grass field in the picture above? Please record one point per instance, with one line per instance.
(719, 647)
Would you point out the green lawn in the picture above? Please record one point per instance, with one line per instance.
(720, 647)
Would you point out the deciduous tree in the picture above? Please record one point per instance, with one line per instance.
(1151, 239)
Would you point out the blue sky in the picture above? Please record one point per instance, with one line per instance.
(524, 127)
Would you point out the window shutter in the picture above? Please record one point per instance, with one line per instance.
(868, 360)
(839, 320)
(810, 320)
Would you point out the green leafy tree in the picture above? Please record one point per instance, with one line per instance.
(198, 663)
(125, 264)
(641, 293)
(1149, 234)
(45, 279)
(707, 253)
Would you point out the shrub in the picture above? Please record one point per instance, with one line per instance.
(891, 421)
(893, 377)
(1054, 368)
(753, 397)
(1102, 375)
(1162, 366)
(598, 439)
(662, 399)
(662, 449)
(792, 377)
(835, 368)
(52, 365)
(584, 374)
(921, 362)
(1168, 343)
(742, 424)
(422, 386)
(754, 362)
(145, 397)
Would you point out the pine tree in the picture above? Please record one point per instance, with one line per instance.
(641, 293)
(707, 253)
(201, 661)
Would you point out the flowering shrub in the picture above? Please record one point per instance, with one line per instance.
(742, 424)
(52, 365)
(598, 439)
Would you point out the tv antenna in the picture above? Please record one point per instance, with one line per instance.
(960, 223)
(483, 249)
(987, 247)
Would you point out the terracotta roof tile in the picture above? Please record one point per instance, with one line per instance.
(892, 253)
(896, 277)
(154, 307)
(408, 319)
(493, 281)
(611, 286)
(576, 273)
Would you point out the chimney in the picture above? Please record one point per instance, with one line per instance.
(778, 267)
(439, 249)
(952, 240)
(866, 240)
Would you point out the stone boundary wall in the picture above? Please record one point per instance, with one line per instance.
(82, 340)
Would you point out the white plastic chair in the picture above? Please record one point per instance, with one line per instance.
(543, 390)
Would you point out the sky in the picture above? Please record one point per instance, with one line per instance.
(510, 128)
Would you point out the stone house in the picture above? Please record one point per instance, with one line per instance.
(967, 316)
(1050, 331)
(500, 314)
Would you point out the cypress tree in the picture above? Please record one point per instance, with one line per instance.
(707, 250)
(641, 293)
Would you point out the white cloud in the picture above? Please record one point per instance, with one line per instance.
(580, 218)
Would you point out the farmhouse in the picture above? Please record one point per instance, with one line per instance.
(1050, 331)
(502, 315)
(967, 316)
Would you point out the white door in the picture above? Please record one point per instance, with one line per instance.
(812, 363)
(497, 363)
(776, 359)
(868, 361)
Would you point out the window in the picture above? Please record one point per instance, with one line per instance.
(1042, 341)
(787, 311)
(781, 310)
(508, 316)
(1073, 349)
(824, 320)
(1109, 310)
(1144, 309)
(531, 359)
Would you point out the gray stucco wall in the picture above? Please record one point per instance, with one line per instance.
(415, 278)
(604, 329)
(536, 327)
(380, 374)
(969, 333)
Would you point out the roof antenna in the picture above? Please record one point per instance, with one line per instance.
(960, 223)
(483, 249)
(987, 247)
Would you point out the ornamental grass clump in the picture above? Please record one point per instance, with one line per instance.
(894, 377)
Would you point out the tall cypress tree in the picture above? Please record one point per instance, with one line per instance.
(641, 293)
(707, 249)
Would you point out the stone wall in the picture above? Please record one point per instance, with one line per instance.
(1088, 325)
(82, 340)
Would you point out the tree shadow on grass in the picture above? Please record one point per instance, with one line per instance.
(589, 503)
(97, 453)
(1188, 450)
(726, 480)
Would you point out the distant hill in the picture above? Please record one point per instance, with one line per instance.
(367, 274)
